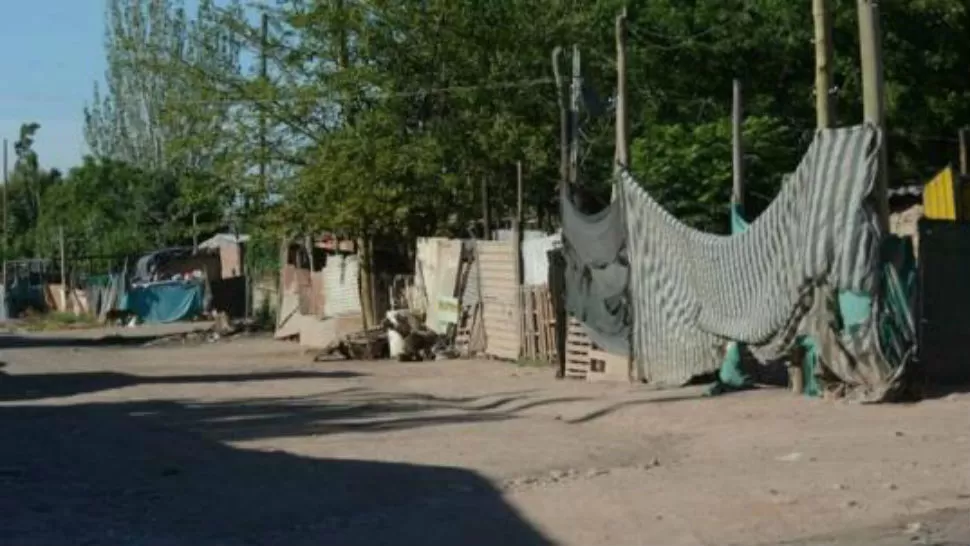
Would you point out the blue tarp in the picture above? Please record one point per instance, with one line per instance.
(168, 301)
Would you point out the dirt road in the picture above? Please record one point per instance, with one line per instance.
(250, 443)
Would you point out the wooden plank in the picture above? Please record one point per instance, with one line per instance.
(529, 326)
(501, 312)
(541, 325)
(503, 333)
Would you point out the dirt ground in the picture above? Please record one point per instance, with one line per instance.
(251, 443)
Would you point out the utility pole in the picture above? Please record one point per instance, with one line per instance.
(264, 78)
(622, 159)
(870, 53)
(737, 146)
(824, 103)
(574, 100)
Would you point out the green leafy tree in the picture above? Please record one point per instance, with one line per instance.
(26, 192)
(147, 117)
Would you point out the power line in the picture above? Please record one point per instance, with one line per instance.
(521, 84)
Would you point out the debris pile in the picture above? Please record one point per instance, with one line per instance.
(402, 335)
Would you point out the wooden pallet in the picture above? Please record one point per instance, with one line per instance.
(578, 346)
(586, 360)
(604, 366)
(538, 324)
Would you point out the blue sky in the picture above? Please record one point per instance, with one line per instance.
(52, 56)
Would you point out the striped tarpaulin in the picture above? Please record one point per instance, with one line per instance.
(690, 291)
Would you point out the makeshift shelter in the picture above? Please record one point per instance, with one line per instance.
(320, 291)
(674, 296)
(230, 248)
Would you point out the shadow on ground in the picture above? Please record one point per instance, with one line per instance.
(11, 341)
(21, 387)
(349, 410)
(94, 474)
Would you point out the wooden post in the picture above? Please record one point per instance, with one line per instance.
(195, 232)
(964, 157)
(60, 233)
(824, 103)
(622, 159)
(518, 193)
(870, 53)
(5, 223)
(796, 370)
(574, 101)
(308, 244)
(486, 220)
(281, 285)
(517, 256)
(561, 92)
(960, 187)
(737, 146)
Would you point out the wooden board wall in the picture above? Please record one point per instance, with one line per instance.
(500, 294)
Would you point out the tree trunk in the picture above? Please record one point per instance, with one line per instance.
(365, 255)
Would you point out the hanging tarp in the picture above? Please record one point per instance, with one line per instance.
(765, 287)
(768, 287)
(596, 272)
(163, 302)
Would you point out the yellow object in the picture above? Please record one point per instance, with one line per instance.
(941, 198)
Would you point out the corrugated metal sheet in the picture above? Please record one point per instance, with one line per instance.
(502, 318)
(940, 197)
(535, 259)
(341, 285)
(436, 271)
(944, 301)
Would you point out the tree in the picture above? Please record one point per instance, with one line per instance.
(26, 191)
(109, 207)
(384, 116)
(147, 116)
